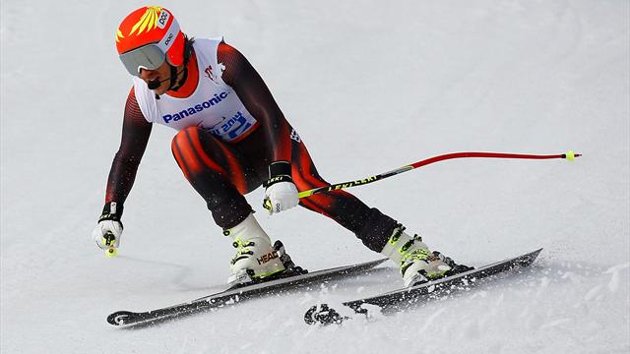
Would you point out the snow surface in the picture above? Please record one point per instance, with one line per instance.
(370, 86)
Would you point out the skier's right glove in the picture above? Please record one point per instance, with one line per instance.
(107, 232)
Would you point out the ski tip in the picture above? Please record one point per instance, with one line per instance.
(118, 318)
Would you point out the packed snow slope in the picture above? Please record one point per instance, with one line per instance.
(370, 86)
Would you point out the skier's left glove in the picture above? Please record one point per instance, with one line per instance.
(107, 232)
(280, 191)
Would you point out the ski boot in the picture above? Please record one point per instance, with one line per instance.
(417, 263)
(256, 260)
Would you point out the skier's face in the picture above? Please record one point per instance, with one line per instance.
(161, 75)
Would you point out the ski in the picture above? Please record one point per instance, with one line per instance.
(405, 297)
(237, 294)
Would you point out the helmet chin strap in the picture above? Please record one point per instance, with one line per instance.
(174, 84)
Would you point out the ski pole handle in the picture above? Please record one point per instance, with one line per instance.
(570, 155)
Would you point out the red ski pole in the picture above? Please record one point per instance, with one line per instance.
(570, 155)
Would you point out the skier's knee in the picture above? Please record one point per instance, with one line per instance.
(183, 139)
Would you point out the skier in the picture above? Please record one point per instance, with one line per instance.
(232, 138)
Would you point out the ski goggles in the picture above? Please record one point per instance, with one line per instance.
(149, 57)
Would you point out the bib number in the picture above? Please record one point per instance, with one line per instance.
(231, 128)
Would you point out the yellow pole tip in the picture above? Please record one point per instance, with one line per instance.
(111, 252)
(570, 155)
